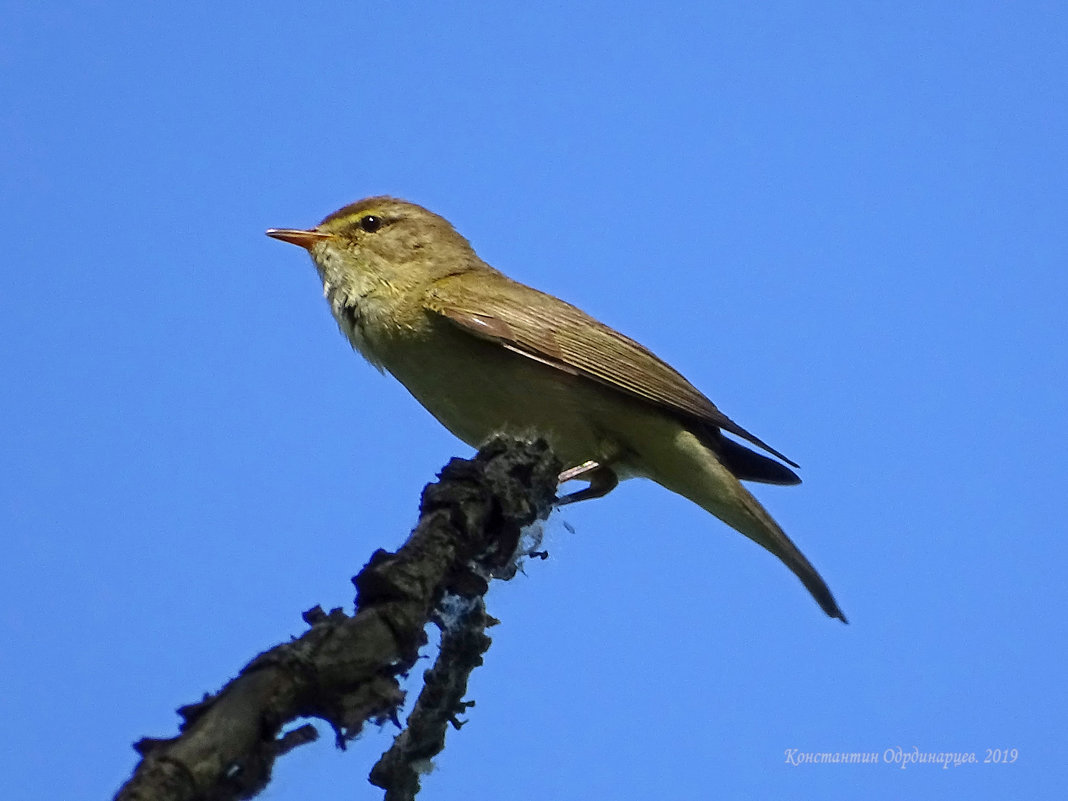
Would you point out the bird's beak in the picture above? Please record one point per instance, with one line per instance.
(295, 236)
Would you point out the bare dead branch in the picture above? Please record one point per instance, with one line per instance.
(345, 669)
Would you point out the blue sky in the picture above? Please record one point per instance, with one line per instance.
(845, 222)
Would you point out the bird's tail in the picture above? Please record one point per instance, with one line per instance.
(715, 489)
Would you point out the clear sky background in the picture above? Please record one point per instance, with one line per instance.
(845, 222)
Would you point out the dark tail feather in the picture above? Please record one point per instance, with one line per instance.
(819, 589)
(749, 465)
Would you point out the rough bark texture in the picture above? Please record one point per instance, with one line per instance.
(345, 669)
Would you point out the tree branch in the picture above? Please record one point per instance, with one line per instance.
(345, 669)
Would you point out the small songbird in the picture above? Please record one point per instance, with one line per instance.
(486, 355)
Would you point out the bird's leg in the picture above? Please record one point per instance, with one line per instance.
(602, 481)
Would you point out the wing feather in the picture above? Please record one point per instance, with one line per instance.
(551, 331)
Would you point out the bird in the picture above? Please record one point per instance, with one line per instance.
(486, 355)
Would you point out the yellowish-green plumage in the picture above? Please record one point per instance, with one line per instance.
(485, 354)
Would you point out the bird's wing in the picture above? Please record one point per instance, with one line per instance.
(555, 333)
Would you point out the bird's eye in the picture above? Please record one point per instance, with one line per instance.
(370, 223)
